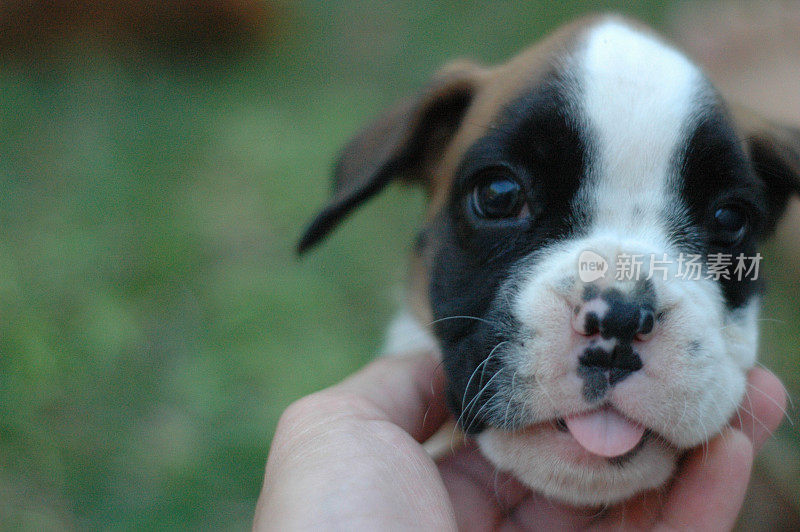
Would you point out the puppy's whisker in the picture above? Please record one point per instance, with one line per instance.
(434, 322)
(789, 397)
(776, 403)
(495, 487)
(739, 415)
(545, 392)
(721, 395)
(752, 415)
(776, 320)
(453, 437)
(474, 372)
(425, 416)
(475, 399)
(685, 408)
(435, 369)
(510, 398)
(465, 407)
(705, 440)
(491, 354)
(477, 415)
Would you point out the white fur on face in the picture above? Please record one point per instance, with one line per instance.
(639, 99)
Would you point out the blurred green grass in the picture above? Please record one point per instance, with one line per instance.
(154, 320)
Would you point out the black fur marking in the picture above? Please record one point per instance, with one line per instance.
(473, 259)
(600, 369)
(590, 291)
(482, 351)
(694, 347)
(591, 325)
(622, 358)
(647, 322)
(595, 383)
(644, 293)
(716, 171)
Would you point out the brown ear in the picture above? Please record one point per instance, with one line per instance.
(774, 150)
(401, 144)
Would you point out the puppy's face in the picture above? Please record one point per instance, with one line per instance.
(588, 264)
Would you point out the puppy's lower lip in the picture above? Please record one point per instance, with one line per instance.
(605, 432)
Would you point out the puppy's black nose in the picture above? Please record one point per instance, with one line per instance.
(613, 315)
(627, 320)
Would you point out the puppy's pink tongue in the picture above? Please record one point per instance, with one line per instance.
(604, 432)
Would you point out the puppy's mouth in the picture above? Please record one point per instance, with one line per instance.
(600, 434)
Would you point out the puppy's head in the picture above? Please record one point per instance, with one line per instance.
(588, 261)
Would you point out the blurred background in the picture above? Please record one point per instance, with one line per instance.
(158, 160)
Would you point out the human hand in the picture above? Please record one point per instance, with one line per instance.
(349, 457)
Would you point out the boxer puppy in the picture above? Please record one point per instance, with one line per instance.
(570, 190)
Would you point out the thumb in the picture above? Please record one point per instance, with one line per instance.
(407, 390)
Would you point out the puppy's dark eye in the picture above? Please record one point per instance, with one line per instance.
(730, 224)
(498, 195)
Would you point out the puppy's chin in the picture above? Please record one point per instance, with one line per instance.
(553, 463)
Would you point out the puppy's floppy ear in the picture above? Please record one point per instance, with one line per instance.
(774, 150)
(401, 144)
